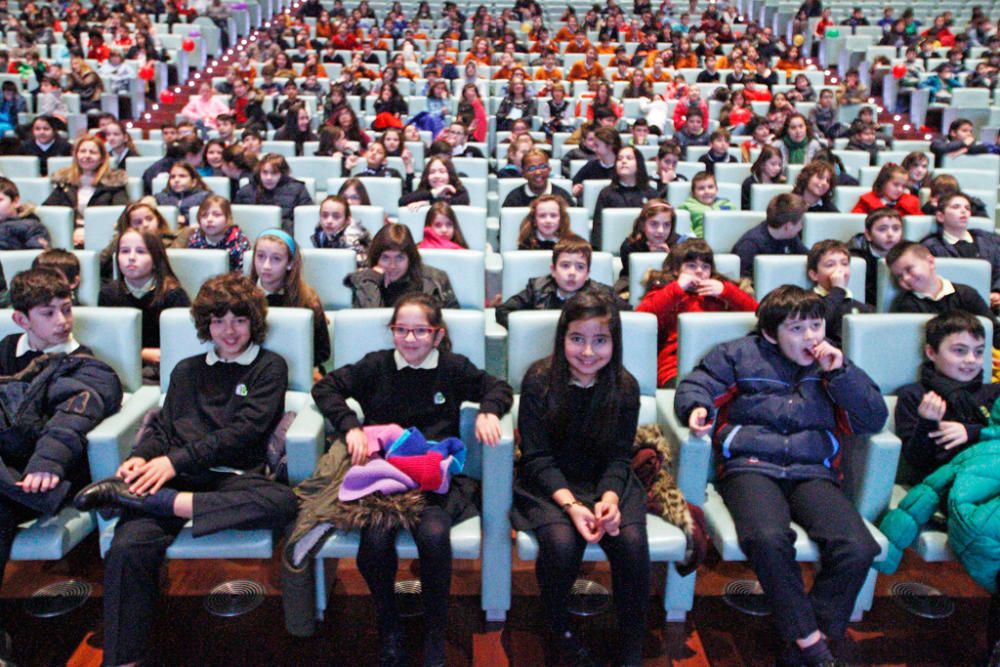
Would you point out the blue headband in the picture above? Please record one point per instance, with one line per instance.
(281, 234)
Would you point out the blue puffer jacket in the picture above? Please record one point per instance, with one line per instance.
(775, 417)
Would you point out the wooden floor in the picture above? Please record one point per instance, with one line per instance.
(714, 634)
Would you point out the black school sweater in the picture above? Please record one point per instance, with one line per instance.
(963, 298)
(116, 295)
(429, 399)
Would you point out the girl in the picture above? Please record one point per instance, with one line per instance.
(297, 128)
(441, 229)
(420, 383)
(577, 422)
(766, 168)
(889, 190)
(214, 414)
(556, 112)
(272, 184)
(471, 105)
(211, 159)
(277, 270)
(216, 230)
(816, 184)
(337, 229)
(185, 190)
(438, 102)
(88, 181)
(392, 139)
(917, 167)
(45, 142)
(119, 144)
(689, 283)
(654, 231)
(390, 102)
(803, 90)
(439, 182)
(737, 113)
(943, 185)
(347, 121)
(145, 281)
(355, 192)
(395, 269)
(603, 100)
(86, 83)
(377, 166)
(142, 215)
(516, 104)
(629, 188)
(797, 143)
(545, 225)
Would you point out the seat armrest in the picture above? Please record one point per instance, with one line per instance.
(304, 442)
(692, 455)
(498, 484)
(110, 442)
(869, 464)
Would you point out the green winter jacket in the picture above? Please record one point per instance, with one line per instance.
(968, 489)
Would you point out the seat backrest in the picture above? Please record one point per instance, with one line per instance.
(471, 220)
(289, 333)
(34, 190)
(591, 189)
(678, 191)
(761, 194)
(363, 330)
(732, 172)
(193, 266)
(384, 192)
(893, 366)
(136, 165)
(466, 271)
(722, 229)
(617, 225)
(839, 226)
(972, 272)
(771, 271)
(472, 167)
(324, 269)
(520, 266)
(252, 219)
(99, 223)
(114, 334)
(19, 166)
(319, 167)
(916, 227)
(846, 196)
(985, 162)
(699, 333)
(60, 221)
(306, 218)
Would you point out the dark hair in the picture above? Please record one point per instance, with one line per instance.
(573, 244)
(784, 208)
(527, 235)
(445, 209)
(689, 250)
(163, 275)
(358, 185)
(649, 209)
(821, 248)
(37, 287)
(815, 168)
(948, 196)
(951, 322)
(453, 178)
(9, 188)
(609, 136)
(641, 176)
(60, 259)
(788, 301)
(957, 124)
(432, 309)
(766, 153)
(230, 292)
(904, 247)
(879, 213)
(885, 174)
(398, 238)
(702, 176)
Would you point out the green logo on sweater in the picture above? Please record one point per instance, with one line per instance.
(241, 390)
(439, 398)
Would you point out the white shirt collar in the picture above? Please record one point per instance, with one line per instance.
(142, 290)
(430, 362)
(529, 193)
(819, 289)
(946, 288)
(279, 291)
(24, 347)
(245, 359)
(952, 240)
(574, 382)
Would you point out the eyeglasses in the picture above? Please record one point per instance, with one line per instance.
(419, 333)
(535, 167)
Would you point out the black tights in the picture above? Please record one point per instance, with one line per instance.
(378, 562)
(560, 552)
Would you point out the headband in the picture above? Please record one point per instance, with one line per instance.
(280, 234)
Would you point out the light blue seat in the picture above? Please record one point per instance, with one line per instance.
(839, 226)
(466, 270)
(253, 219)
(506, 185)
(290, 335)
(472, 167)
(722, 229)
(219, 185)
(114, 336)
(846, 196)
(761, 194)
(591, 189)
(972, 272)
(193, 266)
(19, 166)
(306, 219)
(532, 335)
(284, 148)
(136, 165)
(471, 219)
(984, 162)
(771, 271)
(640, 262)
(57, 162)
(15, 261)
(617, 225)
(916, 227)
(99, 226)
(678, 191)
(384, 192)
(34, 190)
(862, 462)
(486, 536)
(732, 172)
(314, 166)
(324, 269)
(511, 218)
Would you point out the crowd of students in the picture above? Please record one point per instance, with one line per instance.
(578, 411)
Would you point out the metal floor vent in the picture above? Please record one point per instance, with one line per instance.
(57, 599)
(746, 595)
(409, 601)
(922, 600)
(588, 598)
(234, 598)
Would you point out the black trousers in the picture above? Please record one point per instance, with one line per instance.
(763, 509)
(378, 562)
(560, 552)
(12, 514)
(132, 567)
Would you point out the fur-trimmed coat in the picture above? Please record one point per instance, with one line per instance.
(109, 191)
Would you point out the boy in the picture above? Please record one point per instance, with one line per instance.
(784, 391)
(569, 273)
(828, 265)
(718, 150)
(961, 140)
(704, 197)
(945, 184)
(883, 230)
(584, 150)
(924, 291)
(227, 128)
(862, 137)
(187, 149)
(943, 413)
(954, 238)
(693, 132)
(63, 261)
(777, 235)
(251, 140)
(640, 133)
(20, 228)
(456, 135)
(169, 133)
(43, 450)
(201, 458)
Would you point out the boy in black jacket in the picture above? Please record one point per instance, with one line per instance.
(944, 412)
(202, 457)
(828, 265)
(779, 234)
(883, 230)
(53, 392)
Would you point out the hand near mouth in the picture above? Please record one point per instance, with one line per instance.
(827, 356)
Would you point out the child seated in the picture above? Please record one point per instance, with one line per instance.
(654, 230)
(20, 228)
(704, 197)
(693, 132)
(201, 458)
(441, 229)
(779, 234)
(943, 185)
(337, 229)
(546, 224)
(44, 445)
(943, 413)
(216, 231)
(883, 230)
(924, 291)
(861, 137)
(718, 150)
(786, 390)
(961, 140)
(954, 238)
(889, 189)
(828, 265)
(569, 274)
(63, 261)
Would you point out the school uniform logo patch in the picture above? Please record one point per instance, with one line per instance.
(439, 398)
(241, 390)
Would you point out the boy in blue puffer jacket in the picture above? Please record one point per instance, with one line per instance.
(777, 400)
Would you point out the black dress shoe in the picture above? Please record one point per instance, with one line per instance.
(572, 652)
(391, 653)
(107, 493)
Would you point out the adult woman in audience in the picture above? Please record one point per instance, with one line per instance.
(516, 104)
